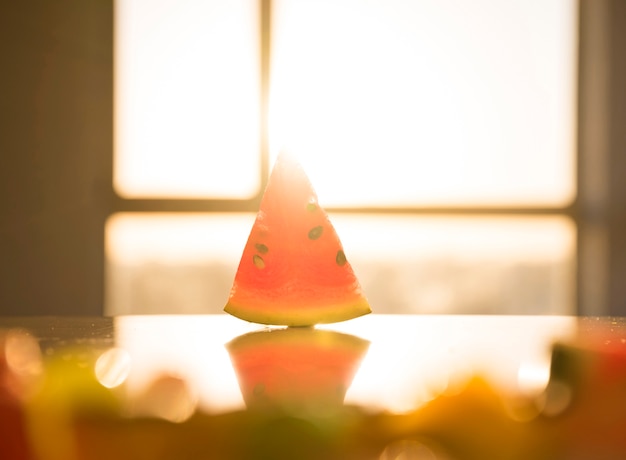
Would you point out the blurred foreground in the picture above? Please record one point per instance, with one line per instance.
(73, 403)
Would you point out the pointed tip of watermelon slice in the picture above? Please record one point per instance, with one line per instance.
(288, 157)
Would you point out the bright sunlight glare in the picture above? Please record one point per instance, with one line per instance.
(410, 360)
(386, 102)
(413, 359)
(186, 98)
(427, 102)
(194, 351)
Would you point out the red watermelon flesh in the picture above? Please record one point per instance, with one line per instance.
(293, 270)
(300, 370)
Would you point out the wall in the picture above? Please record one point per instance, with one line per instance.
(55, 154)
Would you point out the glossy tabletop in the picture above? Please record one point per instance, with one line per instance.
(174, 367)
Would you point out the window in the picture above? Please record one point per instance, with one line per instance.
(187, 97)
(440, 137)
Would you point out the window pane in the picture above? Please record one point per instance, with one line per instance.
(186, 98)
(164, 263)
(429, 102)
(473, 265)
(186, 263)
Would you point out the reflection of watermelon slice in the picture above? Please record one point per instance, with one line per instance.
(293, 270)
(300, 370)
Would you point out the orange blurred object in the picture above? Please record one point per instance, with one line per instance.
(585, 402)
(19, 361)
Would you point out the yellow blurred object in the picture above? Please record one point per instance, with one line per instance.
(168, 397)
(68, 389)
(474, 423)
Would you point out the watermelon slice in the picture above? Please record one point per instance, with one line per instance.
(293, 270)
(300, 370)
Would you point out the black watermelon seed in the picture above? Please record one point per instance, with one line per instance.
(259, 389)
(316, 232)
(258, 261)
(341, 258)
(261, 248)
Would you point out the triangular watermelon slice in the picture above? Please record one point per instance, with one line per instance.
(293, 270)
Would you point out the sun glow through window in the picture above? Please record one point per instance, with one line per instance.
(428, 102)
(425, 102)
(186, 98)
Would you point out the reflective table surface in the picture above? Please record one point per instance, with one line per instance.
(380, 387)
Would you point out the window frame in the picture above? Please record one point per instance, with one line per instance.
(588, 211)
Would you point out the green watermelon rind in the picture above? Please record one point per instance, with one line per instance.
(301, 315)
